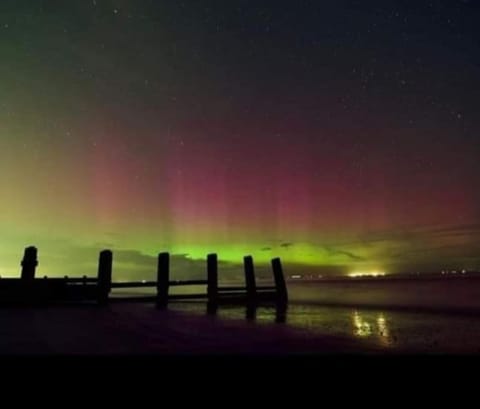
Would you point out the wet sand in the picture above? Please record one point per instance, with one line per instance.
(136, 329)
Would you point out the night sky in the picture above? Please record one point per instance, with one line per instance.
(339, 135)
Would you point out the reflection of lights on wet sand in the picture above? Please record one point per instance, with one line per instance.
(383, 329)
(367, 274)
(362, 328)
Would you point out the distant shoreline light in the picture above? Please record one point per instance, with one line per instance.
(367, 274)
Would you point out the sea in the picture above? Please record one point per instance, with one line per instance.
(432, 316)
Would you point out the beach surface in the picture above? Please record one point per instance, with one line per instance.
(142, 329)
(388, 317)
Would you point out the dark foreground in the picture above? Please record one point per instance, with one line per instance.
(427, 317)
(141, 329)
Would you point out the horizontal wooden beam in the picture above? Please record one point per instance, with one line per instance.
(76, 280)
(188, 282)
(266, 288)
(55, 279)
(135, 284)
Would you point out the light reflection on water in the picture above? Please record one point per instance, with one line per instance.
(382, 327)
(377, 328)
(362, 327)
(341, 322)
(383, 330)
(392, 330)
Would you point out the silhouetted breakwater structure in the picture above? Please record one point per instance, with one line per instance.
(28, 290)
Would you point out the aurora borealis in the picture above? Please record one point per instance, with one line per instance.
(339, 135)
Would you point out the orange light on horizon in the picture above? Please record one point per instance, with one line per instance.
(367, 274)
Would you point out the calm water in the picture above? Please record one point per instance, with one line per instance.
(443, 316)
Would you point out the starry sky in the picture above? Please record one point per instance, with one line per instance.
(340, 135)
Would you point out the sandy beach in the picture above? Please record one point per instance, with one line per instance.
(141, 329)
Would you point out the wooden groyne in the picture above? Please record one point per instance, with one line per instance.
(28, 289)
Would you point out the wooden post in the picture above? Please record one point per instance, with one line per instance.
(104, 276)
(212, 279)
(251, 312)
(281, 287)
(163, 279)
(281, 314)
(212, 308)
(29, 264)
(250, 279)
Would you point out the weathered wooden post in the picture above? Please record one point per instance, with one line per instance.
(280, 285)
(163, 279)
(250, 279)
(104, 276)
(29, 264)
(251, 312)
(84, 286)
(212, 280)
(212, 308)
(281, 314)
